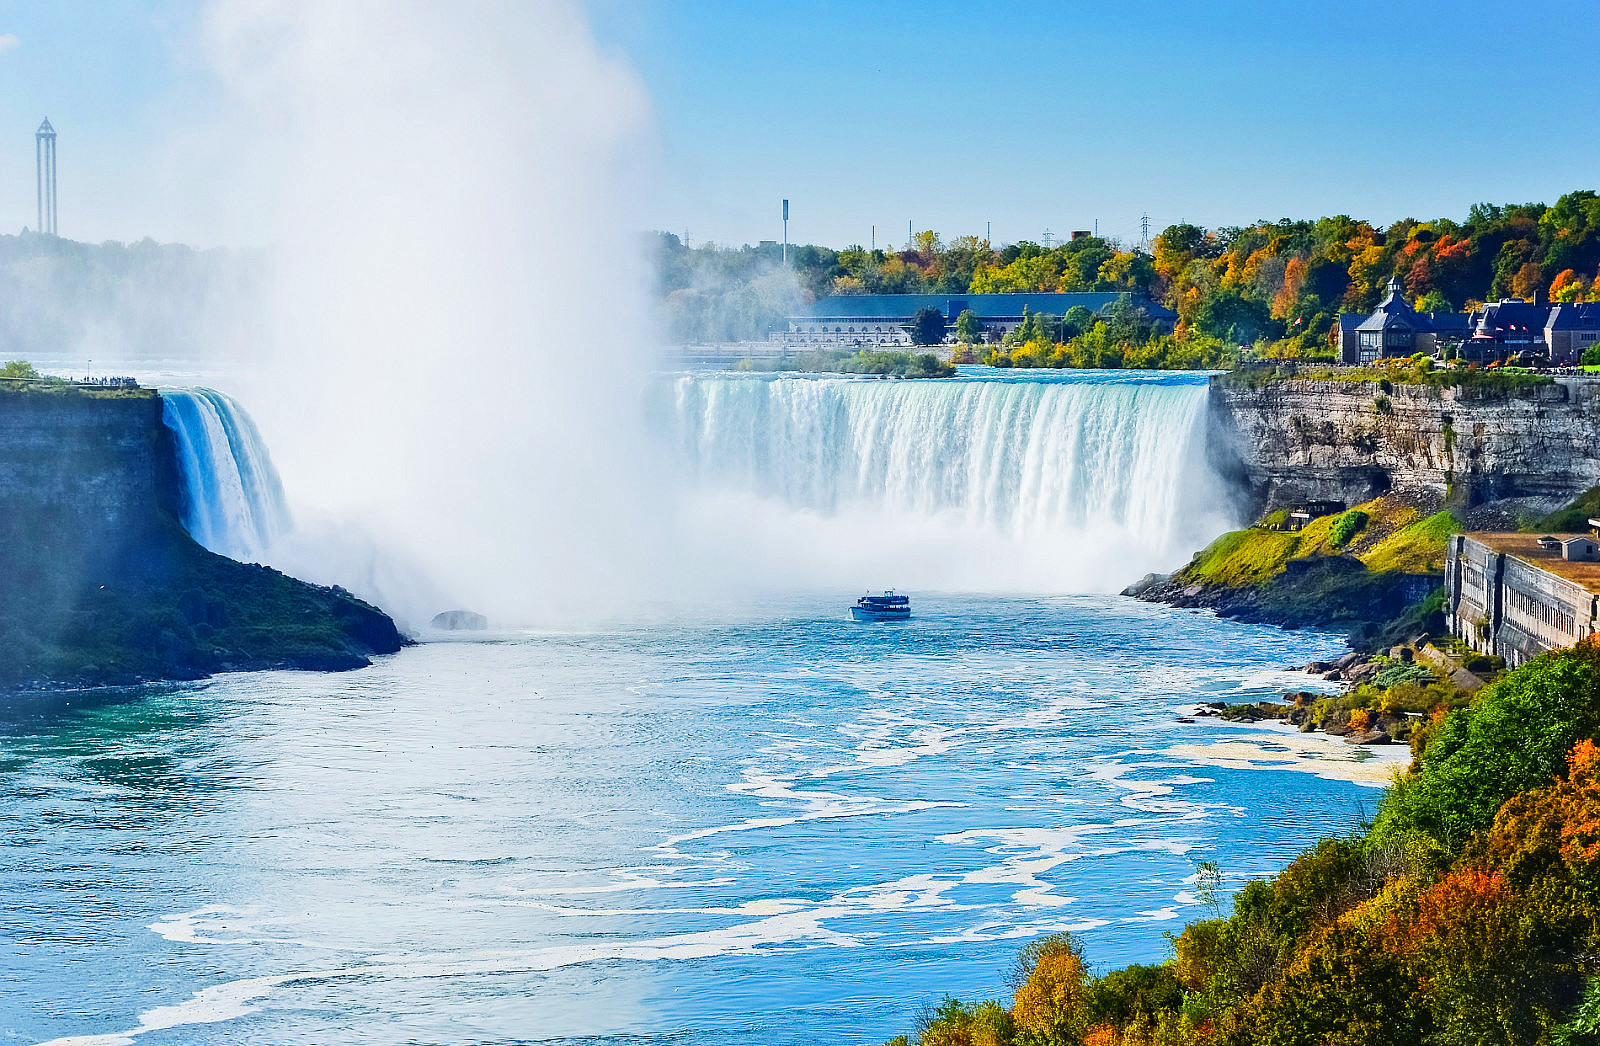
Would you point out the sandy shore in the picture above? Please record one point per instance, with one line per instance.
(1279, 746)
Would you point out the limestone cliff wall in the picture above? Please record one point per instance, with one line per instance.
(102, 465)
(1291, 440)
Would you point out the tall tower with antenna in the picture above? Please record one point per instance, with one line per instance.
(44, 159)
(786, 232)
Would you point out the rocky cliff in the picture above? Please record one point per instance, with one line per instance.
(1291, 440)
(99, 582)
(96, 463)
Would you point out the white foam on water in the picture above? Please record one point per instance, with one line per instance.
(221, 1002)
(221, 924)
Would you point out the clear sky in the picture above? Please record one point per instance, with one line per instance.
(1030, 115)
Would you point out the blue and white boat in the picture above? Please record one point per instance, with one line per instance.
(887, 607)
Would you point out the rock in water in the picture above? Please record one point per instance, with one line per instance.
(459, 621)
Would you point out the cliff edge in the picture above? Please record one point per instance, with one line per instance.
(1353, 438)
(101, 585)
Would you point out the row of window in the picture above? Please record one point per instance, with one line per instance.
(1531, 610)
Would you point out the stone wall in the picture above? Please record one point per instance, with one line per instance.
(99, 466)
(1291, 440)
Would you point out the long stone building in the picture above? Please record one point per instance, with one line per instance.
(885, 319)
(1518, 595)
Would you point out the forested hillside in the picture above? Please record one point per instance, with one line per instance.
(1278, 283)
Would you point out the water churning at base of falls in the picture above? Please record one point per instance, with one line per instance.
(764, 824)
(1051, 473)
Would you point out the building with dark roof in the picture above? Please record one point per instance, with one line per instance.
(1558, 333)
(885, 319)
(1570, 329)
(1396, 329)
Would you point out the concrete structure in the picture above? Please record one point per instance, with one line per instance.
(44, 159)
(1516, 596)
(885, 319)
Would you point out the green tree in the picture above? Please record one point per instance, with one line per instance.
(1077, 321)
(1232, 317)
(1515, 736)
(927, 327)
(968, 330)
(21, 374)
(1434, 301)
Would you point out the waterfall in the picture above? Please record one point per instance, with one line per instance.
(1037, 481)
(233, 503)
(1065, 481)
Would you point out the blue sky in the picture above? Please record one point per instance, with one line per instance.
(1031, 115)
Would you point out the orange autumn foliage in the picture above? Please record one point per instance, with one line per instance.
(1294, 277)
(1455, 908)
(1580, 831)
(1050, 1003)
(1559, 823)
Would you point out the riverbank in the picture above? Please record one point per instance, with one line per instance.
(1367, 571)
(1465, 907)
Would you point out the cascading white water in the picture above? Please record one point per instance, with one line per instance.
(233, 502)
(1076, 482)
(1064, 482)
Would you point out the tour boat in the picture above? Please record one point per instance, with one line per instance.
(887, 607)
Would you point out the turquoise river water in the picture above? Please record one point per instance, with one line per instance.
(779, 828)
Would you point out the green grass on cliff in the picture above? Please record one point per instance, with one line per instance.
(1574, 519)
(1498, 382)
(1385, 534)
(1418, 548)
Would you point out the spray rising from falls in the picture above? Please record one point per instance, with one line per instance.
(1054, 482)
(233, 503)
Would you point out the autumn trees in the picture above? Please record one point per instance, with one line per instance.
(1279, 284)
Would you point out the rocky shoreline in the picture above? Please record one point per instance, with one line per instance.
(1329, 593)
(1327, 713)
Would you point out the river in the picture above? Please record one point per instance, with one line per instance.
(779, 828)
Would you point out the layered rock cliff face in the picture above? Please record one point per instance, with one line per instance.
(1287, 441)
(99, 582)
